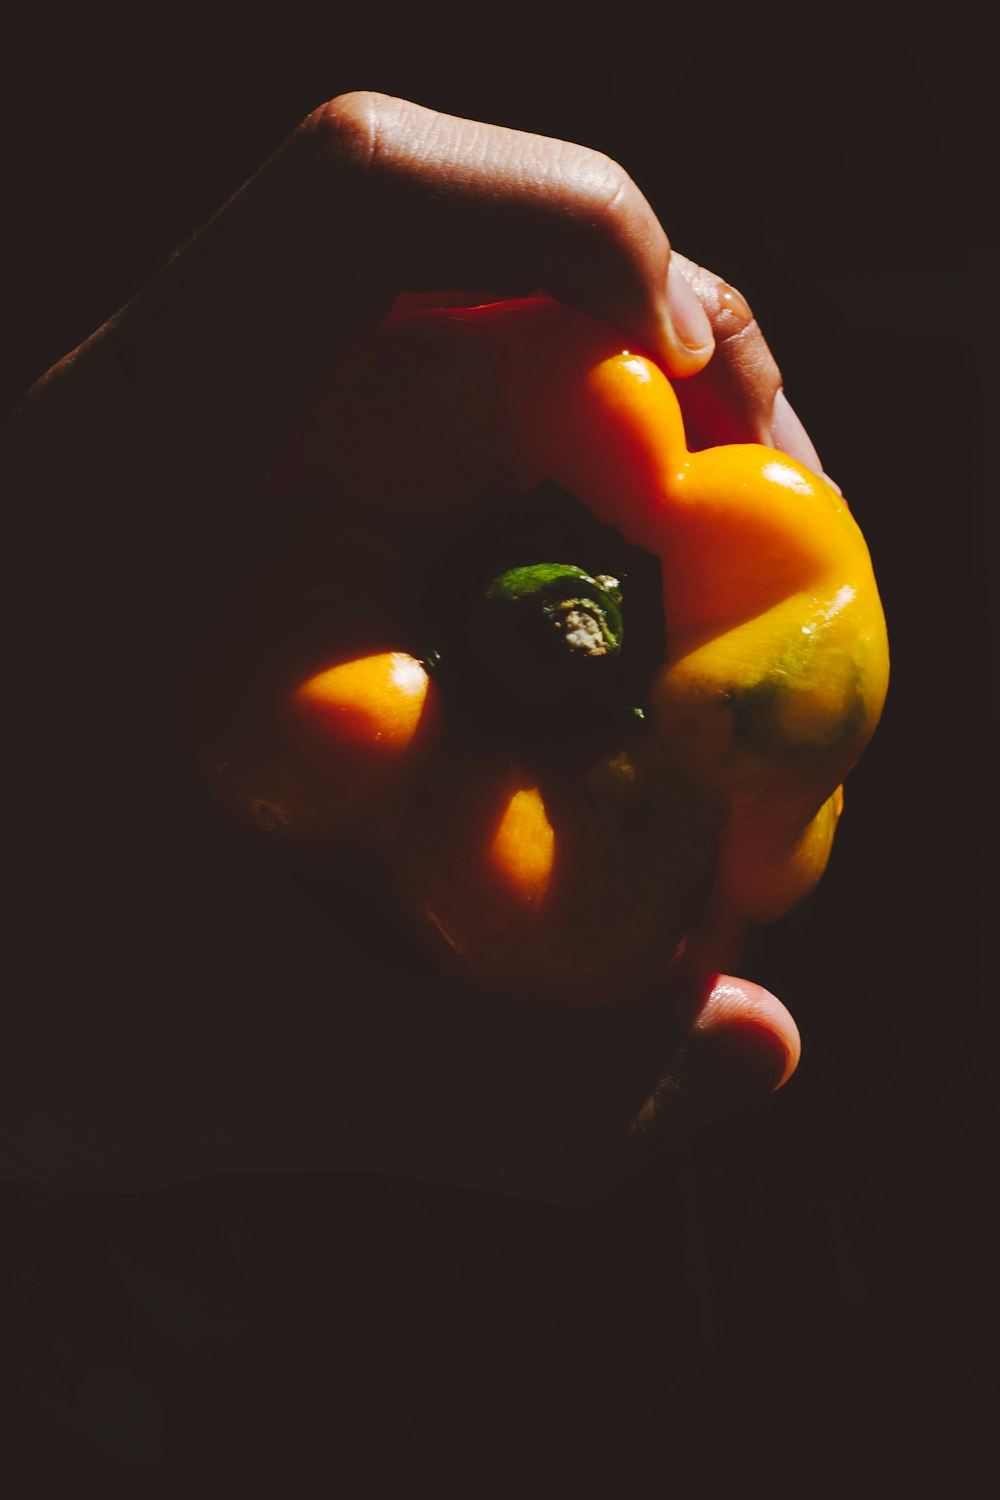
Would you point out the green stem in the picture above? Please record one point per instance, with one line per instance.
(549, 634)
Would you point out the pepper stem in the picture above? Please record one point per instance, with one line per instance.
(548, 634)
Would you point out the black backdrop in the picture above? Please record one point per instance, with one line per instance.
(807, 1294)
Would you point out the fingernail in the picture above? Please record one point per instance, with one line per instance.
(789, 436)
(688, 319)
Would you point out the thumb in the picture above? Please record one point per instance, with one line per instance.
(742, 1045)
(745, 1040)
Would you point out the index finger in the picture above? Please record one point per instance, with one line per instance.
(479, 204)
(369, 197)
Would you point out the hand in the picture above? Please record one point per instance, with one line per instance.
(188, 1011)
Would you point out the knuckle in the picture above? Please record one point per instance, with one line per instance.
(610, 209)
(611, 192)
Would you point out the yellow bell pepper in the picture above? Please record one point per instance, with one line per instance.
(576, 695)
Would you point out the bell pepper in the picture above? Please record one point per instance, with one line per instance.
(567, 694)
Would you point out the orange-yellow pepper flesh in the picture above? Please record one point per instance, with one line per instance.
(737, 528)
(344, 734)
(763, 565)
(565, 892)
(522, 851)
(369, 706)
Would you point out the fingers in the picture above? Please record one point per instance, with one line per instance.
(459, 203)
(738, 397)
(372, 196)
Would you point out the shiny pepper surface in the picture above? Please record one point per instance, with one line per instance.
(567, 694)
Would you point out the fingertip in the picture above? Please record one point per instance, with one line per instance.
(742, 1047)
(750, 1034)
(789, 436)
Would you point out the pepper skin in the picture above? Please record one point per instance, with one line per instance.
(570, 695)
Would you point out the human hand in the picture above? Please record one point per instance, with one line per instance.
(190, 1011)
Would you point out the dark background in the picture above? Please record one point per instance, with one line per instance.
(807, 1293)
